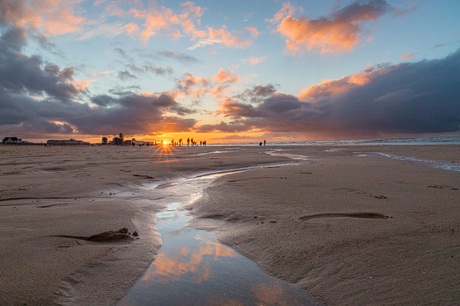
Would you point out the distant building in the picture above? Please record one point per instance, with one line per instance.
(66, 142)
(122, 137)
(11, 140)
(105, 140)
(117, 141)
(134, 142)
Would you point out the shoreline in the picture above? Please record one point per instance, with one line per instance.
(79, 179)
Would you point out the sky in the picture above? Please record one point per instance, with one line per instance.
(229, 71)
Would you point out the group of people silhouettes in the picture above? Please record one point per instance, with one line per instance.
(190, 141)
(260, 143)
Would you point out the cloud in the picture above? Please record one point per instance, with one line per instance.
(253, 60)
(257, 93)
(286, 10)
(329, 88)
(145, 69)
(99, 74)
(224, 37)
(226, 76)
(53, 17)
(131, 28)
(162, 20)
(180, 57)
(107, 30)
(40, 98)
(121, 52)
(24, 75)
(195, 86)
(253, 31)
(126, 75)
(406, 98)
(339, 32)
(133, 114)
(407, 56)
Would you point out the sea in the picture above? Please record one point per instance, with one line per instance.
(444, 140)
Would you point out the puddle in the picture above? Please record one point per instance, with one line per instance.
(291, 156)
(430, 163)
(213, 152)
(193, 268)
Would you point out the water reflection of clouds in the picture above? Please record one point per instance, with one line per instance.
(273, 294)
(167, 267)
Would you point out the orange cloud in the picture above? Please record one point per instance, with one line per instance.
(164, 21)
(131, 28)
(195, 10)
(407, 56)
(339, 32)
(222, 36)
(226, 38)
(99, 74)
(253, 31)
(81, 85)
(196, 86)
(333, 87)
(226, 76)
(54, 17)
(286, 10)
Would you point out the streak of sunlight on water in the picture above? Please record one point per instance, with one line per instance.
(430, 163)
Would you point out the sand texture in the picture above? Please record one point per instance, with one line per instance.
(350, 230)
(51, 198)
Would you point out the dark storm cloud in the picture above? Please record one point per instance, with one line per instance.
(22, 74)
(41, 98)
(134, 114)
(257, 93)
(407, 98)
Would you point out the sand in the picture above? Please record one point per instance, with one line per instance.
(82, 191)
(301, 223)
(349, 230)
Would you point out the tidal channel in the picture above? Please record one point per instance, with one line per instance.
(193, 268)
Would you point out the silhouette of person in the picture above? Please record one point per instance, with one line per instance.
(264, 142)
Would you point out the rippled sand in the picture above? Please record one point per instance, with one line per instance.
(298, 223)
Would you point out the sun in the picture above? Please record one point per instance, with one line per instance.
(165, 143)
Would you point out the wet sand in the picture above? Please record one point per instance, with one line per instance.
(301, 223)
(47, 192)
(349, 230)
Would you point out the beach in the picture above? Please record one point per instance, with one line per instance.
(349, 229)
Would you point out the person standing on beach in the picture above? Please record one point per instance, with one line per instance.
(264, 142)
(188, 141)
